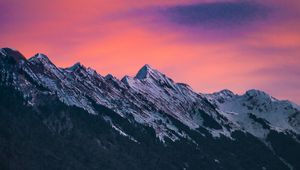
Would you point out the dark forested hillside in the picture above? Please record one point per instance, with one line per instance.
(56, 136)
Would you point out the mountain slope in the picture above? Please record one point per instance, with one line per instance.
(146, 120)
(257, 112)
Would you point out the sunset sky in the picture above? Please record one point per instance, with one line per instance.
(209, 44)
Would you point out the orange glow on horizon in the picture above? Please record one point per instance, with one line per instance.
(109, 37)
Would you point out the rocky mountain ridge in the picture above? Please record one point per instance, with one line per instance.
(151, 99)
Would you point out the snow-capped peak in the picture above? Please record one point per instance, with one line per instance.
(76, 66)
(225, 93)
(40, 58)
(125, 79)
(109, 76)
(255, 92)
(144, 72)
(153, 76)
(147, 72)
(259, 95)
(221, 96)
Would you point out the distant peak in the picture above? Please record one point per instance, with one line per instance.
(109, 76)
(224, 94)
(91, 71)
(147, 66)
(126, 80)
(255, 92)
(39, 57)
(144, 72)
(185, 86)
(76, 66)
(227, 92)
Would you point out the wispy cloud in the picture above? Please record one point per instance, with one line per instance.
(216, 14)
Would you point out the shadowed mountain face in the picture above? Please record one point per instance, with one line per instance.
(74, 118)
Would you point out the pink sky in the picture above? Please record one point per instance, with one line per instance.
(255, 47)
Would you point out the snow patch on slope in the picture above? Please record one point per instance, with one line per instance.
(256, 112)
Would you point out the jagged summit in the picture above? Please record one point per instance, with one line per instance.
(147, 73)
(255, 92)
(258, 94)
(39, 57)
(225, 92)
(76, 66)
(109, 76)
(144, 72)
(125, 79)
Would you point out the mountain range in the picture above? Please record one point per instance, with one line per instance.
(75, 118)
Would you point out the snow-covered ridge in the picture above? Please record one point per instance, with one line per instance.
(251, 109)
(152, 99)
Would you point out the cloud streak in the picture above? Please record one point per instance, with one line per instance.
(216, 14)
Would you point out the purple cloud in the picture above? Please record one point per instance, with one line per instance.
(216, 14)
